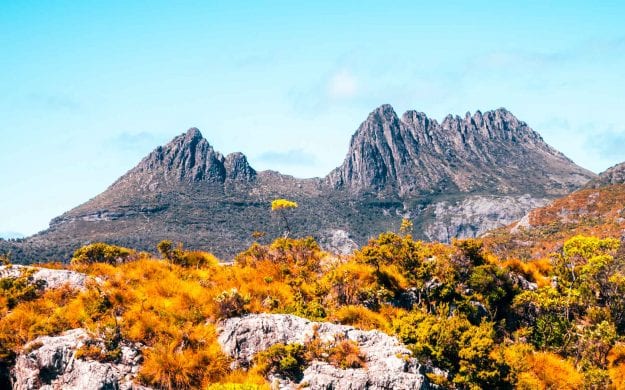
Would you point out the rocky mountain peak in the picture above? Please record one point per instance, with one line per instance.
(382, 123)
(495, 124)
(417, 155)
(189, 158)
(193, 134)
(374, 150)
(453, 179)
(384, 113)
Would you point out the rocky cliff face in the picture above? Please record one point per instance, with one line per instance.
(389, 364)
(456, 178)
(595, 210)
(188, 158)
(475, 215)
(492, 152)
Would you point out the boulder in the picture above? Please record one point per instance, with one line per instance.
(49, 362)
(49, 278)
(389, 364)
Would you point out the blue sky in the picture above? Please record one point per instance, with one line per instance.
(88, 88)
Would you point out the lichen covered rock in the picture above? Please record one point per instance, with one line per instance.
(389, 364)
(48, 278)
(50, 362)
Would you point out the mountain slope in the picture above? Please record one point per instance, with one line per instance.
(598, 210)
(454, 179)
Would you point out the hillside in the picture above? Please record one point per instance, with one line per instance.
(597, 210)
(458, 178)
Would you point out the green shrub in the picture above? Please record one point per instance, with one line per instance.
(284, 360)
(231, 303)
(103, 253)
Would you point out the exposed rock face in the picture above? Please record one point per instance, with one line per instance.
(415, 154)
(523, 223)
(476, 215)
(237, 167)
(49, 278)
(189, 158)
(457, 178)
(50, 363)
(388, 363)
(595, 210)
(613, 175)
(522, 283)
(338, 241)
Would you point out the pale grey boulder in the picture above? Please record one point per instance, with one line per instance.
(389, 364)
(50, 363)
(49, 278)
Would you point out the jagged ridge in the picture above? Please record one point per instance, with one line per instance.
(413, 154)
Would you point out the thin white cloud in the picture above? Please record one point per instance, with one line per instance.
(342, 85)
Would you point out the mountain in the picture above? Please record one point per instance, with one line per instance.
(458, 178)
(493, 152)
(595, 210)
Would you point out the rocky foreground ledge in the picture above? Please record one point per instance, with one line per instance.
(48, 278)
(389, 364)
(51, 363)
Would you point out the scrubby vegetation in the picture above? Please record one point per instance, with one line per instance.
(596, 212)
(488, 321)
(103, 253)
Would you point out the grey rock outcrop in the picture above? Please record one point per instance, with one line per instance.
(237, 167)
(475, 215)
(521, 282)
(612, 175)
(188, 158)
(50, 363)
(48, 278)
(389, 364)
(337, 241)
(522, 224)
